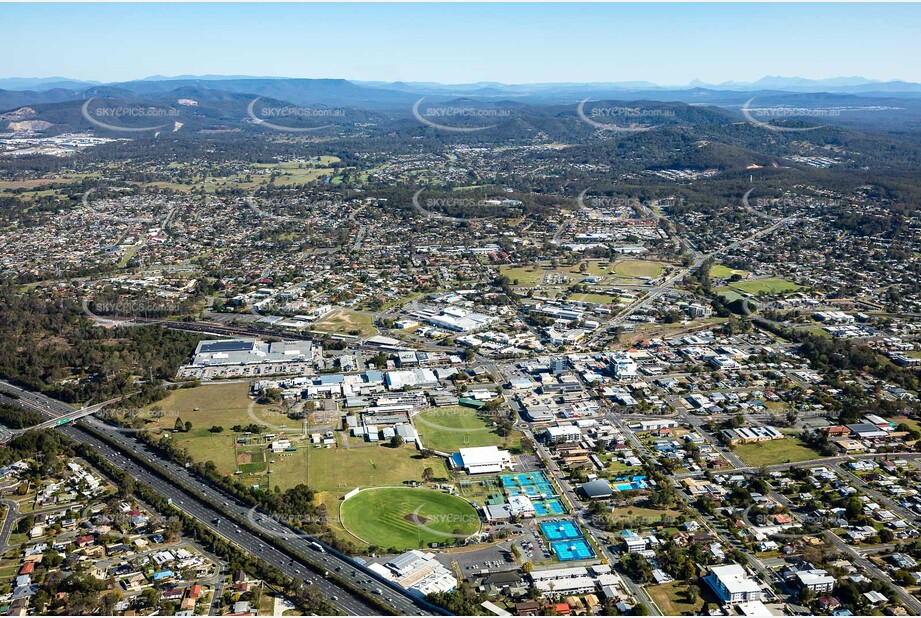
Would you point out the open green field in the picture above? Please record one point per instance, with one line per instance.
(724, 272)
(525, 275)
(912, 423)
(341, 470)
(453, 427)
(345, 322)
(601, 299)
(594, 268)
(672, 599)
(787, 450)
(408, 518)
(768, 285)
(224, 405)
(729, 295)
(638, 268)
(645, 515)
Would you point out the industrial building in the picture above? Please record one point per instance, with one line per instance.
(482, 460)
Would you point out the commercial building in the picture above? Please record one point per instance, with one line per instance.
(623, 367)
(250, 357)
(418, 572)
(482, 460)
(563, 434)
(732, 584)
(748, 435)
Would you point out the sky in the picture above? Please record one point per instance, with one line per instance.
(669, 44)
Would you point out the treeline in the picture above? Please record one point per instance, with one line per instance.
(13, 417)
(53, 348)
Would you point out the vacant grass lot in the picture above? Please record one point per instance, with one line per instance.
(647, 516)
(340, 470)
(672, 600)
(525, 275)
(224, 405)
(601, 299)
(345, 322)
(406, 518)
(787, 450)
(450, 428)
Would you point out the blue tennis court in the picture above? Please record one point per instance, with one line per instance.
(560, 530)
(523, 479)
(549, 507)
(545, 489)
(574, 549)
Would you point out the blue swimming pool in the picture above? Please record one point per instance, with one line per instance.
(630, 484)
(573, 549)
(560, 530)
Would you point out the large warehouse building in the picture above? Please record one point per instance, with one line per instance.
(482, 460)
(250, 357)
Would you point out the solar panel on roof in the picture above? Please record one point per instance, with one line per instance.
(210, 347)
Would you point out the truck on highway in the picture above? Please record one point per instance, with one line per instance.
(317, 547)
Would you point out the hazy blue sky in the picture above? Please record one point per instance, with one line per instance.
(663, 43)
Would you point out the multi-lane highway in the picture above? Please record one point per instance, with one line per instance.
(279, 545)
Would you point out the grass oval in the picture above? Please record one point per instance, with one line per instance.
(408, 518)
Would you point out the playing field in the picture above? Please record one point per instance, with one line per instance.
(345, 322)
(724, 272)
(638, 268)
(453, 427)
(407, 518)
(768, 285)
(787, 450)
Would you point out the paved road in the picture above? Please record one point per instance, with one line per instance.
(12, 514)
(279, 545)
(679, 276)
(908, 600)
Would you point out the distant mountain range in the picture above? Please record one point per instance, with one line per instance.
(852, 85)
(214, 102)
